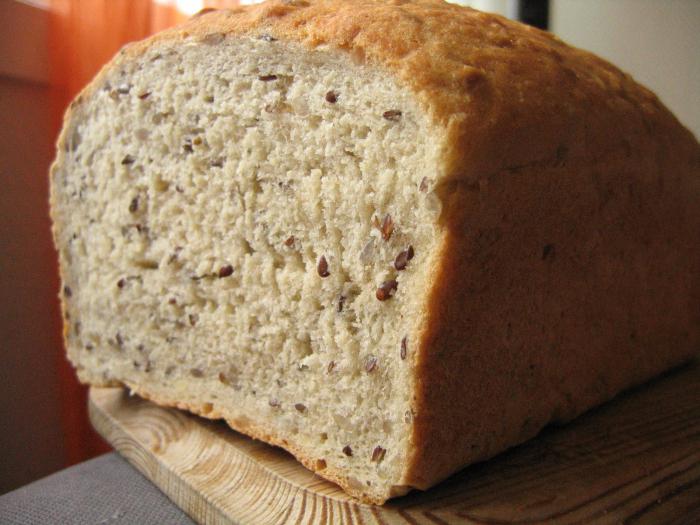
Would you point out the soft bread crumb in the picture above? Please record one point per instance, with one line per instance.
(216, 206)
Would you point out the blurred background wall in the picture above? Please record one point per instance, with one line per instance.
(50, 48)
(656, 41)
(31, 440)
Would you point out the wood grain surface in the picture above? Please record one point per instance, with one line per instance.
(635, 460)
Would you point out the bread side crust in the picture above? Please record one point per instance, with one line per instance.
(560, 286)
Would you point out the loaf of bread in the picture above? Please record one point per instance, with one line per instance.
(392, 237)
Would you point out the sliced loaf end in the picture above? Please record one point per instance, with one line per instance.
(245, 230)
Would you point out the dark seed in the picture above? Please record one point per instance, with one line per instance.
(120, 341)
(387, 227)
(144, 96)
(134, 205)
(341, 303)
(267, 78)
(290, 241)
(274, 403)
(121, 283)
(347, 450)
(386, 290)
(404, 348)
(423, 185)
(370, 363)
(174, 255)
(172, 300)
(401, 260)
(548, 252)
(300, 407)
(127, 160)
(193, 318)
(196, 372)
(225, 271)
(378, 454)
(322, 267)
(67, 291)
(331, 366)
(332, 97)
(392, 114)
(188, 148)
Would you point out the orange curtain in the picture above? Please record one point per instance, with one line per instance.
(84, 35)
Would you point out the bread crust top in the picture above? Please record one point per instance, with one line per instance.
(507, 94)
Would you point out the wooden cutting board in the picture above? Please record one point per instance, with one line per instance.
(635, 460)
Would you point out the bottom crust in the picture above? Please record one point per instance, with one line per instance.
(256, 432)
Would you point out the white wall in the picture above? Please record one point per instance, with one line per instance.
(507, 8)
(657, 42)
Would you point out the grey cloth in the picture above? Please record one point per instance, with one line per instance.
(104, 490)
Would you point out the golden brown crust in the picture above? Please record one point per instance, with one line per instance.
(559, 286)
(567, 270)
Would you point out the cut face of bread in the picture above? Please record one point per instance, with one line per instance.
(246, 230)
